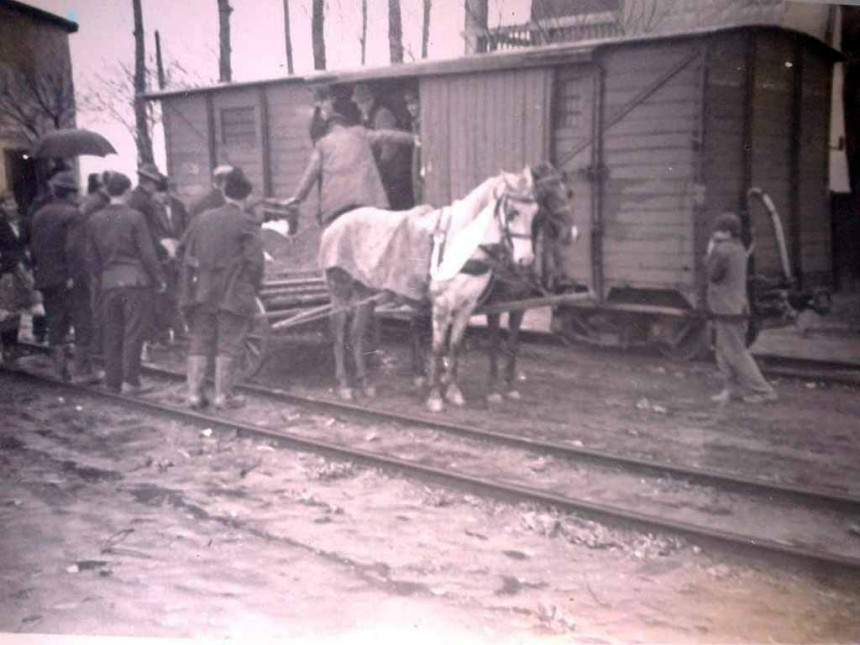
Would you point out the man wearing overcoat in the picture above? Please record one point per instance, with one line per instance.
(127, 272)
(49, 230)
(222, 272)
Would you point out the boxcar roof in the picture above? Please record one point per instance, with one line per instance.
(578, 52)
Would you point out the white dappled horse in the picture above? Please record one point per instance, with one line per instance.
(494, 220)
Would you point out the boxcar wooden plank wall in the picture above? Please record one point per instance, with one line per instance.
(649, 184)
(290, 112)
(723, 148)
(773, 133)
(186, 137)
(573, 111)
(474, 125)
(813, 185)
(238, 133)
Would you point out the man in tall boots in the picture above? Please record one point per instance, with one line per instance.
(123, 263)
(49, 231)
(222, 271)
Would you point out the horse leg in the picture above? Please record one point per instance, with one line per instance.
(338, 325)
(458, 329)
(493, 396)
(440, 328)
(515, 321)
(363, 316)
(420, 326)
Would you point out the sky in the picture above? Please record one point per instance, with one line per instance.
(189, 37)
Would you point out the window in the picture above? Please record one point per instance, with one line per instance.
(238, 126)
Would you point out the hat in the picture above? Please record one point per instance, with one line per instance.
(236, 185)
(65, 180)
(222, 171)
(150, 171)
(728, 222)
(361, 92)
(117, 184)
(322, 93)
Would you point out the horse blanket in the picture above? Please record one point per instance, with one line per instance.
(384, 250)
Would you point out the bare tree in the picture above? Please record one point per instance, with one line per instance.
(36, 99)
(395, 32)
(363, 37)
(111, 95)
(318, 33)
(288, 38)
(225, 71)
(142, 128)
(477, 13)
(425, 29)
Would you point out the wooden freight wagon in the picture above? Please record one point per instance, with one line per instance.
(657, 135)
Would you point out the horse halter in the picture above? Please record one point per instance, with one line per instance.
(503, 214)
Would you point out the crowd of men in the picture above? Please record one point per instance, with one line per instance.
(129, 266)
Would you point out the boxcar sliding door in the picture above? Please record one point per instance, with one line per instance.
(572, 136)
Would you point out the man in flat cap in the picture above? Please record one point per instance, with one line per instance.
(726, 265)
(49, 230)
(215, 197)
(127, 273)
(222, 272)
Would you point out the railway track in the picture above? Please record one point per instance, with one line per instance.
(660, 498)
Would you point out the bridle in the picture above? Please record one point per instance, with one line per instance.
(503, 213)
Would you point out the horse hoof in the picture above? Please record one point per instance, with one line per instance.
(419, 382)
(435, 404)
(495, 397)
(454, 396)
(513, 395)
(369, 391)
(345, 394)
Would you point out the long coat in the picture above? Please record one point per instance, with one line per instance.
(343, 161)
(222, 262)
(120, 251)
(48, 234)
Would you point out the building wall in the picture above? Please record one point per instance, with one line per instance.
(28, 43)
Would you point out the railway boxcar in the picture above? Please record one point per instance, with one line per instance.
(658, 135)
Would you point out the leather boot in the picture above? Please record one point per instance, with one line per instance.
(196, 377)
(61, 362)
(224, 397)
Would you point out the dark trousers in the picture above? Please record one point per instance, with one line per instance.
(126, 314)
(166, 308)
(58, 310)
(82, 320)
(216, 333)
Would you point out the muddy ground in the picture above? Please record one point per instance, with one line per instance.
(115, 523)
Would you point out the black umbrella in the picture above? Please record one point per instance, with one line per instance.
(71, 142)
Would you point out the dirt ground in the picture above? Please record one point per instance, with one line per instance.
(116, 524)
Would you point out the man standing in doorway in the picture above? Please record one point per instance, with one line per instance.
(392, 161)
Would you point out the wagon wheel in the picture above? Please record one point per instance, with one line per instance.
(692, 340)
(256, 346)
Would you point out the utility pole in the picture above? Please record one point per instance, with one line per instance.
(141, 118)
(159, 62)
(288, 38)
(225, 72)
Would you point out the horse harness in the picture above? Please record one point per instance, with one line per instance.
(496, 255)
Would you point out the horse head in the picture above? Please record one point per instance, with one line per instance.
(554, 198)
(516, 211)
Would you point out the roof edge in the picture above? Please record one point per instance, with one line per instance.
(69, 26)
(579, 51)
